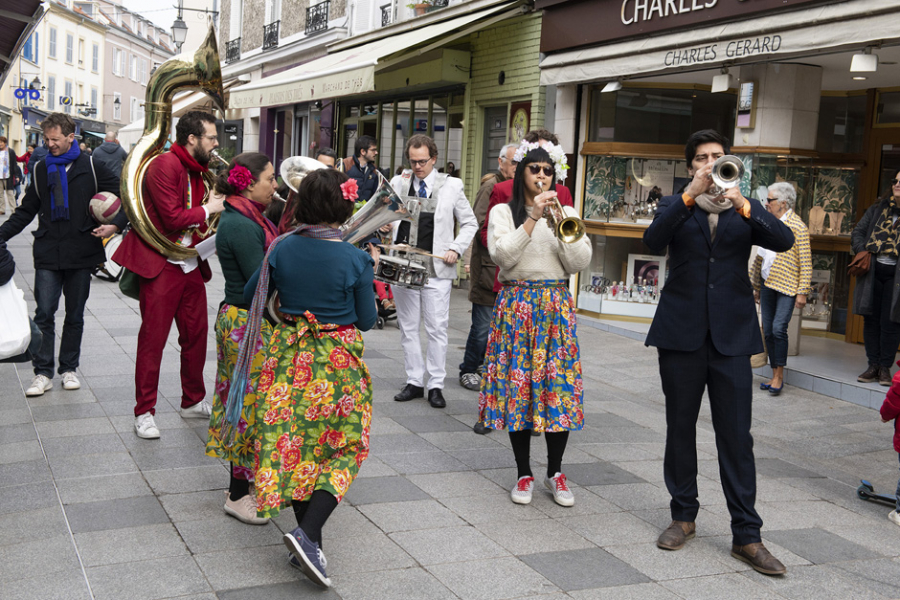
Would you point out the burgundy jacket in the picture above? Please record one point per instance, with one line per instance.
(890, 410)
(164, 191)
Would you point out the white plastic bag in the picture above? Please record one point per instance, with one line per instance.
(15, 331)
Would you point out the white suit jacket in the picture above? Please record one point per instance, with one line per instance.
(451, 203)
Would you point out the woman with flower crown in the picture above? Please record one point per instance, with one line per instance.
(242, 238)
(314, 392)
(532, 380)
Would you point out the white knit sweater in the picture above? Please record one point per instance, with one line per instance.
(537, 256)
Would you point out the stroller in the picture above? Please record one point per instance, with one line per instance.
(384, 300)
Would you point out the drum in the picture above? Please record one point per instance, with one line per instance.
(401, 271)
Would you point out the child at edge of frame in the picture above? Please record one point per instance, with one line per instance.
(890, 411)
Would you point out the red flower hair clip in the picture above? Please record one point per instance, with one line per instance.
(349, 188)
(240, 178)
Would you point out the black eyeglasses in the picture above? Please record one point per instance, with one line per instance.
(419, 163)
(536, 168)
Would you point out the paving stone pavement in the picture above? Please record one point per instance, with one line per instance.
(88, 510)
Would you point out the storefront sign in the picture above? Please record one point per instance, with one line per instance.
(355, 81)
(681, 57)
(578, 23)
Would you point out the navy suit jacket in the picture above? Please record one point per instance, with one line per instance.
(708, 288)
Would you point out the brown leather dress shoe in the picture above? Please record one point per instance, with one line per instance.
(759, 558)
(676, 534)
(884, 376)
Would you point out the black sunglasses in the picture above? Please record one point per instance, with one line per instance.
(895, 181)
(536, 168)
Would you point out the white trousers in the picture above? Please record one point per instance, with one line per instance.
(7, 197)
(431, 304)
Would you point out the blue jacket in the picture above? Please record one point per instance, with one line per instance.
(366, 178)
(708, 289)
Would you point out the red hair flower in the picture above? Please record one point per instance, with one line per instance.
(349, 189)
(240, 178)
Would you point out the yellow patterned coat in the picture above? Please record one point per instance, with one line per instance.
(792, 271)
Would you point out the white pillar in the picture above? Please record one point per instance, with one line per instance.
(787, 106)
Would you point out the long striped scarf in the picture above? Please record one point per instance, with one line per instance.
(240, 379)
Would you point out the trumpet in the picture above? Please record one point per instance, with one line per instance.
(566, 229)
(727, 173)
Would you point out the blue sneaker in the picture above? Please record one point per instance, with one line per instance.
(307, 556)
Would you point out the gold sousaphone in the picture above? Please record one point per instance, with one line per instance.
(200, 70)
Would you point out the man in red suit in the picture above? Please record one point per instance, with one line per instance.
(503, 191)
(173, 290)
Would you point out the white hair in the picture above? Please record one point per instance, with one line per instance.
(785, 192)
(505, 150)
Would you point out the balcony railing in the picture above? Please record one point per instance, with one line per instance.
(317, 17)
(440, 3)
(387, 15)
(233, 50)
(270, 35)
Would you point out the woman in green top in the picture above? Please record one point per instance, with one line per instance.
(242, 238)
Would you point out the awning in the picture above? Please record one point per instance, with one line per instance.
(94, 133)
(822, 29)
(352, 71)
(17, 21)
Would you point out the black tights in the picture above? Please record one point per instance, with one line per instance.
(556, 447)
(238, 488)
(311, 514)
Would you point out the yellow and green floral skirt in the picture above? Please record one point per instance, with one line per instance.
(231, 324)
(314, 413)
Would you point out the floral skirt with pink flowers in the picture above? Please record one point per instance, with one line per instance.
(313, 414)
(231, 323)
(532, 367)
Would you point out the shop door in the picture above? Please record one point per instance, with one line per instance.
(284, 135)
(885, 163)
(494, 137)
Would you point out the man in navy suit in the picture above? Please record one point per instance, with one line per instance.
(705, 331)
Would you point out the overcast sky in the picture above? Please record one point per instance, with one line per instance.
(163, 14)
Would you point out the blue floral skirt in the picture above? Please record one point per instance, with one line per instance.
(532, 367)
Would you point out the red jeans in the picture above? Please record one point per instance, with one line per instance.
(179, 296)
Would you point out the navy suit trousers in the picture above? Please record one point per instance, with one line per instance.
(729, 380)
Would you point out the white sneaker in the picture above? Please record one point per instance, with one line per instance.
(70, 381)
(521, 494)
(560, 490)
(145, 427)
(200, 410)
(470, 381)
(39, 385)
(894, 516)
(243, 510)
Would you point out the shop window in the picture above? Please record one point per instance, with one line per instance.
(626, 189)
(842, 123)
(658, 116)
(888, 109)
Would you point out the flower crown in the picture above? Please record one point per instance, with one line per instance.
(560, 164)
(240, 178)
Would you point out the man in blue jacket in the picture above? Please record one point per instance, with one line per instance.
(705, 330)
(361, 167)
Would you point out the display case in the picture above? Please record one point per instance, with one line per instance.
(620, 189)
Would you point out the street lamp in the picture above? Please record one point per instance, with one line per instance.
(179, 31)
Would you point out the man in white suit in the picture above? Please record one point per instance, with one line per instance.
(442, 202)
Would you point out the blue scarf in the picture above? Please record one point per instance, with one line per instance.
(59, 183)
